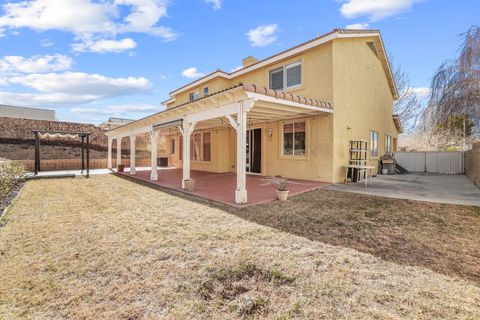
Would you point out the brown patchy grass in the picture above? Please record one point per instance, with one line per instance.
(107, 248)
(443, 238)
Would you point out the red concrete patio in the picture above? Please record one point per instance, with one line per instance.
(220, 187)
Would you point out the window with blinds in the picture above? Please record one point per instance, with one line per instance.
(286, 77)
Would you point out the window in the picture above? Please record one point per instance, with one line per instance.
(294, 139)
(193, 96)
(388, 144)
(286, 77)
(200, 146)
(374, 143)
(172, 146)
(205, 91)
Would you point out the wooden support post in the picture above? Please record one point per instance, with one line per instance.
(88, 155)
(37, 153)
(83, 153)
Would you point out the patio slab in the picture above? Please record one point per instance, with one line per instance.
(439, 188)
(220, 187)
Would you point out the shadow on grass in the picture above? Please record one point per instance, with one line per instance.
(441, 237)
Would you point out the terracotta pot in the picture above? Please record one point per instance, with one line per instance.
(190, 185)
(120, 168)
(282, 195)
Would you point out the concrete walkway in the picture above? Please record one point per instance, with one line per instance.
(452, 189)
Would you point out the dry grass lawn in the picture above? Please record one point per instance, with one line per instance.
(107, 248)
(442, 237)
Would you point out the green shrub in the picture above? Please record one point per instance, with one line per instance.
(11, 174)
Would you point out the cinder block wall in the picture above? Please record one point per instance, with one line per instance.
(472, 164)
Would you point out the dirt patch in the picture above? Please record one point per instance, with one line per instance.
(242, 288)
(443, 238)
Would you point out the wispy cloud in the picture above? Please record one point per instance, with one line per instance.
(262, 35)
(118, 109)
(35, 64)
(216, 4)
(357, 26)
(374, 10)
(71, 88)
(192, 73)
(421, 92)
(103, 45)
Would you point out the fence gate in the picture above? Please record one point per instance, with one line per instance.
(449, 162)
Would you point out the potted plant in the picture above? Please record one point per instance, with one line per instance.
(120, 168)
(190, 184)
(282, 191)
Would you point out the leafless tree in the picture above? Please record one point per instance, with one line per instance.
(455, 90)
(408, 106)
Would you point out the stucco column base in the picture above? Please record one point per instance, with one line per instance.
(240, 196)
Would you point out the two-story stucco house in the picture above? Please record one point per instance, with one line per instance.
(291, 114)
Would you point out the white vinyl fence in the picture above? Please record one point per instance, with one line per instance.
(433, 162)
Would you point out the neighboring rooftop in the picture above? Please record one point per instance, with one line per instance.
(26, 113)
(113, 122)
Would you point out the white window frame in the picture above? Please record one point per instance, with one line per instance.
(388, 144)
(284, 69)
(282, 136)
(205, 92)
(194, 95)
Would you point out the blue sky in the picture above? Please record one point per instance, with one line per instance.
(90, 60)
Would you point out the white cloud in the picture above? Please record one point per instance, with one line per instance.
(216, 4)
(374, 9)
(421, 92)
(262, 35)
(86, 18)
(71, 88)
(35, 64)
(192, 73)
(357, 26)
(82, 84)
(118, 110)
(103, 45)
(41, 99)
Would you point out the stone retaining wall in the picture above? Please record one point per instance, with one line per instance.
(12, 128)
(472, 164)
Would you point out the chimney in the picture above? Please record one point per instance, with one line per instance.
(248, 61)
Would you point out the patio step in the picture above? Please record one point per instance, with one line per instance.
(399, 169)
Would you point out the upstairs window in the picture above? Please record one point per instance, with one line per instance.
(205, 91)
(193, 96)
(286, 77)
(374, 143)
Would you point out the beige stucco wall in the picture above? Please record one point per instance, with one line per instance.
(344, 72)
(362, 99)
(317, 84)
